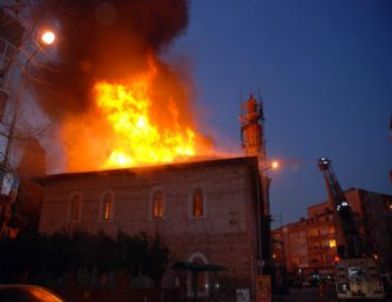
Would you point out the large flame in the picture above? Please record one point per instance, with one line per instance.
(138, 141)
(128, 126)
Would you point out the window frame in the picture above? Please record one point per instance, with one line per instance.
(70, 208)
(191, 209)
(102, 205)
(153, 192)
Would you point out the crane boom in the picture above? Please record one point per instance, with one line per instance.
(352, 246)
(357, 274)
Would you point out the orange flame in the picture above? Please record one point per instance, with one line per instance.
(126, 128)
(126, 108)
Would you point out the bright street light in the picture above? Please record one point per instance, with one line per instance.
(48, 37)
(275, 164)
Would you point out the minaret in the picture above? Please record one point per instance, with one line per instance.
(253, 144)
(252, 128)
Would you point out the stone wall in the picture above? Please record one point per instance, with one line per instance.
(226, 234)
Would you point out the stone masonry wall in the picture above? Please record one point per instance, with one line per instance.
(226, 234)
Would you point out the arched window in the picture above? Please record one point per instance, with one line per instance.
(158, 207)
(198, 203)
(107, 207)
(74, 208)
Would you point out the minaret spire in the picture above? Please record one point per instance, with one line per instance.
(252, 128)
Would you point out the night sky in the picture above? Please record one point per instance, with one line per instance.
(324, 70)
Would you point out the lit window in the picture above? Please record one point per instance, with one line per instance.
(332, 243)
(198, 203)
(107, 207)
(74, 209)
(157, 205)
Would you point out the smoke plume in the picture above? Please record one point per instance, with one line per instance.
(115, 41)
(105, 40)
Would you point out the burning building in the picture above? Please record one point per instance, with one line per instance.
(205, 211)
(131, 142)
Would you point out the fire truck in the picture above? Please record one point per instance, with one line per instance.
(357, 273)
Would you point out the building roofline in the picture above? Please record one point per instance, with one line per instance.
(347, 191)
(326, 201)
(317, 205)
(302, 222)
(250, 161)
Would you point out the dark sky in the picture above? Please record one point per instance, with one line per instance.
(324, 70)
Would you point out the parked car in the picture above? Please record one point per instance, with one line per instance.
(27, 293)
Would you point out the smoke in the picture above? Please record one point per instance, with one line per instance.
(104, 40)
(113, 41)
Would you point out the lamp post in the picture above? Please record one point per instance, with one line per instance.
(264, 278)
(264, 212)
(265, 182)
(44, 39)
(271, 165)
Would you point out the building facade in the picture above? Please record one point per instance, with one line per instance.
(310, 244)
(205, 212)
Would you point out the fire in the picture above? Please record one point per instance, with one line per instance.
(142, 120)
(139, 140)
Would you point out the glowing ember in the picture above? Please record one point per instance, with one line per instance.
(139, 140)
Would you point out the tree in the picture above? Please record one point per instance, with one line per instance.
(20, 133)
(32, 257)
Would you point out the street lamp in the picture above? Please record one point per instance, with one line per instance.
(265, 216)
(271, 165)
(47, 37)
(44, 39)
(274, 165)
